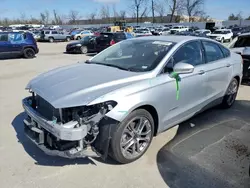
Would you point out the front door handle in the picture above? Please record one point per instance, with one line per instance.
(229, 65)
(201, 72)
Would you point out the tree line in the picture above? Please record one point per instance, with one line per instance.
(155, 11)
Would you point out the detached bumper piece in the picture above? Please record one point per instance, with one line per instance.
(64, 140)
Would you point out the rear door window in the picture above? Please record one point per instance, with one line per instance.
(54, 32)
(225, 51)
(47, 32)
(212, 51)
(15, 37)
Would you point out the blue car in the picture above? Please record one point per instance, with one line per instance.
(17, 44)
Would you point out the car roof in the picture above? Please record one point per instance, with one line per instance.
(175, 39)
(11, 32)
(223, 29)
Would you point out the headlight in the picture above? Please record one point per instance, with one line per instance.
(78, 45)
(88, 112)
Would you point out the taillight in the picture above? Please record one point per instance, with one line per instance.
(112, 42)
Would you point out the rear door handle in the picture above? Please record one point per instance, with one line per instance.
(201, 72)
(229, 65)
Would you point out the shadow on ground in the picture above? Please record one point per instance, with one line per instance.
(208, 152)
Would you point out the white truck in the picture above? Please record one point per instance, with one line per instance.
(222, 35)
(178, 28)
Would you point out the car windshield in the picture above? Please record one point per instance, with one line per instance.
(220, 32)
(198, 31)
(242, 42)
(134, 55)
(76, 32)
(86, 39)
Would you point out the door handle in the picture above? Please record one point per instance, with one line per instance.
(229, 65)
(201, 72)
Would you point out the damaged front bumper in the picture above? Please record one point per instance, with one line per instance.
(46, 134)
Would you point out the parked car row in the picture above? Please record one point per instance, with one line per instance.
(97, 43)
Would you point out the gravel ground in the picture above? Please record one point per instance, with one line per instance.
(22, 165)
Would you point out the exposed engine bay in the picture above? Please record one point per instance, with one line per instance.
(67, 132)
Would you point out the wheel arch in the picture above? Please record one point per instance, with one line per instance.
(25, 47)
(154, 115)
(238, 79)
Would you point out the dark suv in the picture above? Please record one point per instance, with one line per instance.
(108, 39)
(17, 44)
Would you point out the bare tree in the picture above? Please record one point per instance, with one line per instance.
(43, 17)
(57, 18)
(104, 13)
(175, 6)
(144, 13)
(46, 12)
(160, 10)
(23, 17)
(193, 8)
(92, 17)
(153, 10)
(122, 14)
(73, 16)
(137, 6)
(115, 14)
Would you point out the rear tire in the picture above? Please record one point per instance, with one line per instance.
(51, 39)
(132, 137)
(29, 53)
(231, 94)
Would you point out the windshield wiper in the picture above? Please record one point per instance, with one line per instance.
(109, 65)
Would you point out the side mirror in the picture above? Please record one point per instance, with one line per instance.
(183, 68)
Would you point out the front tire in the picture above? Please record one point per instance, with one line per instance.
(231, 94)
(132, 137)
(51, 39)
(78, 38)
(84, 50)
(222, 40)
(68, 39)
(29, 53)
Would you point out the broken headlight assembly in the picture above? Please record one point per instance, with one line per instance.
(89, 116)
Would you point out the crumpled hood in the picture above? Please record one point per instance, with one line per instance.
(79, 84)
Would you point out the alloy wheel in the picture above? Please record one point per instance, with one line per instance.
(232, 92)
(136, 137)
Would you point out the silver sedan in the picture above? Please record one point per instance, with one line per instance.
(118, 100)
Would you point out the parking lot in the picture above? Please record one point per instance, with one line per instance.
(212, 149)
